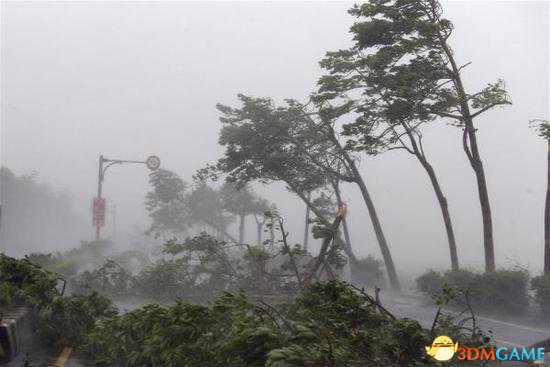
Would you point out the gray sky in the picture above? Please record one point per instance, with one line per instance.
(131, 79)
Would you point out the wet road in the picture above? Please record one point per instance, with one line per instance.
(40, 358)
(506, 333)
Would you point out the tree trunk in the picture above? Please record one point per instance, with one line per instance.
(271, 235)
(322, 219)
(484, 203)
(418, 152)
(547, 220)
(241, 229)
(358, 179)
(384, 249)
(444, 211)
(259, 233)
(347, 243)
(472, 152)
(306, 228)
(325, 247)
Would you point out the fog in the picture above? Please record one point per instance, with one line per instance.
(130, 79)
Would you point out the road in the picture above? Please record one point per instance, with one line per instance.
(40, 358)
(504, 332)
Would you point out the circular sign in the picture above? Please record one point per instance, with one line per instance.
(152, 162)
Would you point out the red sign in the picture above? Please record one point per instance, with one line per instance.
(99, 212)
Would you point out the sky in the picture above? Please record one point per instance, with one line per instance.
(130, 79)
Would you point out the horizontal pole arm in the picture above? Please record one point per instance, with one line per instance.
(121, 161)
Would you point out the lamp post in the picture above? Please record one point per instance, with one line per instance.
(152, 162)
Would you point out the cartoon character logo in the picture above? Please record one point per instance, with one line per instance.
(442, 348)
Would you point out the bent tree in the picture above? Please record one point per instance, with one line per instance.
(544, 131)
(286, 144)
(384, 123)
(404, 46)
(319, 125)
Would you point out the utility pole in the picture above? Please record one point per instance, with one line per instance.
(152, 162)
(114, 223)
(96, 206)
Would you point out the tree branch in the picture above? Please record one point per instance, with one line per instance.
(488, 107)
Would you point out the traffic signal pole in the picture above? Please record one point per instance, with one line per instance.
(99, 192)
(152, 162)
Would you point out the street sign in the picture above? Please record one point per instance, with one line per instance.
(152, 162)
(99, 212)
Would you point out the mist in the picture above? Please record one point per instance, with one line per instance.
(131, 79)
(339, 183)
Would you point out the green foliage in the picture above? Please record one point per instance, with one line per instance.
(542, 127)
(242, 200)
(163, 281)
(24, 283)
(369, 272)
(58, 320)
(462, 325)
(331, 324)
(503, 291)
(206, 206)
(401, 56)
(166, 202)
(63, 320)
(111, 280)
(56, 263)
(499, 292)
(200, 268)
(266, 143)
(541, 286)
(430, 283)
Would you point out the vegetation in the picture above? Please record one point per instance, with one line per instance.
(64, 320)
(502, 292)
(407, 73)
(242, 202)
(26, 203)
(208, 297)
(541, 286)
(303, 152)
(59, 320)
(330, 324)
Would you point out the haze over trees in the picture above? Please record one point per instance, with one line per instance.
(402, 72)
(223, 278)
(34, 216)
(176, 207)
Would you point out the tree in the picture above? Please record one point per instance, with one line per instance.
(242, 202)
(175, 207)
(34, 214)
(306, 223)
(166, 203)
(543, 129)
(320, 143)
(401, 52)
(262, 207)
(270, 155)
(384, 125)
(288, 144)
(206, 205)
